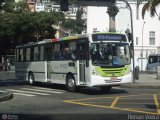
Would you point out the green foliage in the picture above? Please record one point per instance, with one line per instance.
(7, 24)
(72, 2)
(8, 6)
(75, 26)
(21, 26)
(151, 7)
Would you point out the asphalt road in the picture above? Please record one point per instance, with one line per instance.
(54, 102)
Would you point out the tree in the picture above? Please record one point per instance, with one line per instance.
(75, 26)
(150, 6)
(8, 6)
(18, 26)
(79, 23)
(7, 31)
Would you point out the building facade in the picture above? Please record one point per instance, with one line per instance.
(146, 31)
(31, 4)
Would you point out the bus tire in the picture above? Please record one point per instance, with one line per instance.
(105, 88)
(70, 83)
(31, 80)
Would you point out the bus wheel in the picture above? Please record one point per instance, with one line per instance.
(31, 79)
(70, 83)
(105, 88)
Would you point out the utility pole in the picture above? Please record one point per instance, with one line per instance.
(131, 16)
(142, 48)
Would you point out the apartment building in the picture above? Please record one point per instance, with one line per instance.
(31, 4)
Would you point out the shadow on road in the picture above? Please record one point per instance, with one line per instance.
(97, 91)
(83, 90)
(12, 82)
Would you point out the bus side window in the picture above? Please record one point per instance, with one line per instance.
(28, 52)
(17, 55)
(159, 59)
(41, 53)
(82, 51)
(21, 55)
(72, 49)
(48, 52)
(36, 53)
(56, 51)
(32, 54)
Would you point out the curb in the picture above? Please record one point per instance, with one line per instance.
(139, 86)
(5, 96)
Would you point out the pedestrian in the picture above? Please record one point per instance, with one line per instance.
(4, 66)
(8, 64)
(1, 67)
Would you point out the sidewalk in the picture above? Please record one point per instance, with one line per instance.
(5, 96)
(146, 80)
(4, 77)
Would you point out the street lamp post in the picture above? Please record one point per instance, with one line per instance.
(130, 9)
(142, 47)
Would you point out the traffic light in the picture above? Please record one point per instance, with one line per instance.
(64, 5)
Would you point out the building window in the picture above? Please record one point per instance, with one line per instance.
(152, 38)
(137, 40)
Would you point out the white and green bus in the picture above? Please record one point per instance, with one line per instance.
(94, 60)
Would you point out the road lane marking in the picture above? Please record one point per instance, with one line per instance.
(39, 90)
(24, 94)
(122, 97)
(136, 98)
(114, 102)
(21, 91)
(115, 108)
(133, 103)
(2, 91)
(48, 89)
(156, 103)
(115, 98)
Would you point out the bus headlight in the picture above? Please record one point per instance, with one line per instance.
(94, 72)
(129, 70)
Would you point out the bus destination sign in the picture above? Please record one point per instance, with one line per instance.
(109, 37)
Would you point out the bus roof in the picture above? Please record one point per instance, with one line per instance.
(74, 37)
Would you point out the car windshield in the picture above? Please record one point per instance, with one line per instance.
(110, 54)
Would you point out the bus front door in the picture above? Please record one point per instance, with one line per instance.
(82, 71)
(82, 53)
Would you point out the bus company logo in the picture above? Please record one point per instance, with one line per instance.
(4, 116)
(9, 117)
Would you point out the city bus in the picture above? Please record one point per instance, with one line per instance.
(88, 60)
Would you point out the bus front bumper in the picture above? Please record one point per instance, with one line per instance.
(110, 81)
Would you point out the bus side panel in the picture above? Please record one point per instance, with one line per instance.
(60, 69)
(38, 69)
(21, 70)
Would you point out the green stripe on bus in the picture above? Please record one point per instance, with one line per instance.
(109, 72)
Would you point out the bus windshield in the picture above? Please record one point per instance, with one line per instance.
(110, 54)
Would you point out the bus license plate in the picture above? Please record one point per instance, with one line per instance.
(113, 78)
